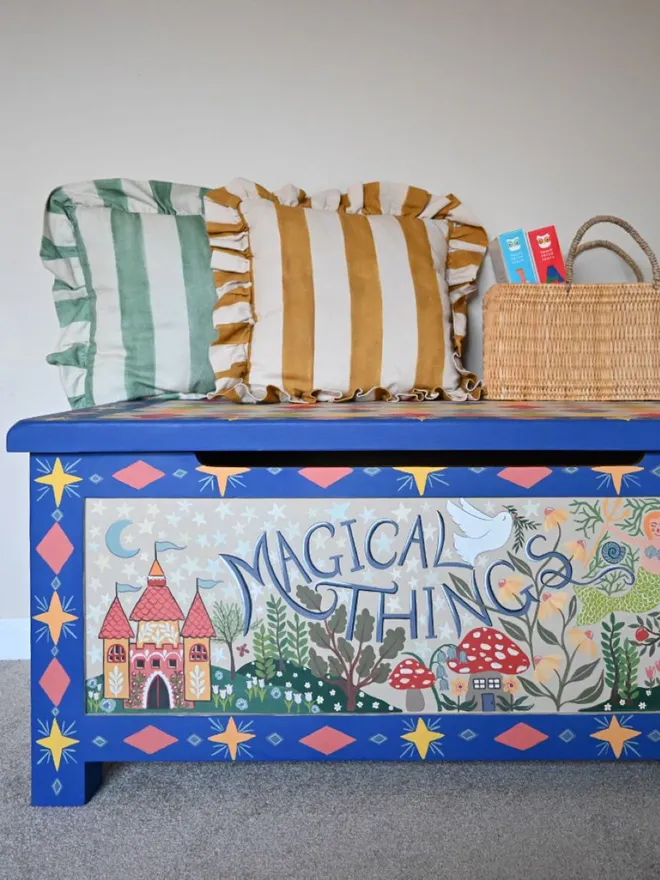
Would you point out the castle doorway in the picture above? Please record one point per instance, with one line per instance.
(158, 696)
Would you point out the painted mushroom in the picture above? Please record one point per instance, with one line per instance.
(412, 677)
(486, 654)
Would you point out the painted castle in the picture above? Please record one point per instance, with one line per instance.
(165, 664)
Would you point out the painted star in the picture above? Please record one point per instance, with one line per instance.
(618, 473)
(57, 743)
(422, 737)
(401, 513)
(616, 735)
(420, 475)
(55, 618)
(232, 737)
(222, 474)
(58, 479)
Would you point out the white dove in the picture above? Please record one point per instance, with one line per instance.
(481, 532)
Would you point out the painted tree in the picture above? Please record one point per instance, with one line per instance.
(228, 623)
(352, 665)
(298, 640)
(264, 662)
(277, 635)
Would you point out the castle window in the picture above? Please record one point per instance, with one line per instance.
(155, 663)
(172, 662)
(116, 654)
(139, 664)
(199, 652)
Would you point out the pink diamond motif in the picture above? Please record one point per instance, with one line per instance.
(327, 740)
(55, 681)
(526, 477)
(150, 740)
(522, 737)
(55, 548)
(138, 475)
(325, 476)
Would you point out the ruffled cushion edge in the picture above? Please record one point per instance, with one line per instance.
(234, 314)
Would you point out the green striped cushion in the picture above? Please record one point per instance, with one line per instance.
(133, 290)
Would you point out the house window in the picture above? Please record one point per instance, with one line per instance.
(199, 652)
(139, 664)
(494, 684)
(116, 654)
(479, 684)
(172, 662)
(155, 663)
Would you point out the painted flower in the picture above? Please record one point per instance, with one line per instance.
(333, 692)
(315, 709)
(375, 704)
(578, 550)
(319, 700)
(276, 693)
(622, 702)
(511, 586)
(295, 675)
(288, 684)
(279, 673)
(262, 682)
(108, 705)
(359, 704)
(307, 684)
(648, 693)
(250, 684)
(309, 698)
(545, 667)
(91, 684)
(511, 685)
(607, 707)
(215, 688)
(218, 675)
(583, 641)
(230, 688)
(642, 705)
(657, 665)
(554, 517)
(612, 552)
(241, 704)
(650, 671)
(288, 696)
(223, 693)
(460, 686)
(551, 603)
(297, 699)
(337, 707)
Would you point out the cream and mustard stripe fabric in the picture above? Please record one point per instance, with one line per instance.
(335, 296)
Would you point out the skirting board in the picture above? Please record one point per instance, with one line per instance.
(15, 638)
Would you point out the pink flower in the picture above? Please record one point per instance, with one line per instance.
(657, 665)
(650, 671)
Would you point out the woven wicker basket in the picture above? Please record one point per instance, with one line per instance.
(575, 341)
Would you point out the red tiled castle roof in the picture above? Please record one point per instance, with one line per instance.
(198, 623)
(157, 602)
(116, 625)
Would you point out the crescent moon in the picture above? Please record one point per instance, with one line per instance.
(113, 540)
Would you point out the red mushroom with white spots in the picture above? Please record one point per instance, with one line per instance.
(412, 677)
(486, 654)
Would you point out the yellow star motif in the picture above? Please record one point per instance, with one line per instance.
(55, 617)
(222, 474)
(616, 735)
(422, 737)
(420, 475)
(58, 480)
(617, 472)
(232, 737)
(57, 743)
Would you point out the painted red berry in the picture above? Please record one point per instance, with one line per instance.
(642, 634)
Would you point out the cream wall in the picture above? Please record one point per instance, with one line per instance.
(533, 112)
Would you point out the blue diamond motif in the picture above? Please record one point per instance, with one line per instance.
(57, 515)
(468, 735)
(274, 471)
(55, 711)
(99, 741)
(477, 470)
(194, 740)
(656, 471)
(179, 473)
(56, 583)
(54, 651)
(96, 479)
(57, 787)
(571, 470)
(654, 736)
(378, 738)
(275, 739)
(567, 736)
(372, 471)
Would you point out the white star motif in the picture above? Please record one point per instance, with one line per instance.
(338, 511)
(341, 542)
(368, 576)
(412, 564)
(312, 511)
(277, 512)
(224, 509)
(129, 570)
(128, 539)
(401, 513)
(184, 505)
(448, 553)
(481, 561)
(213, 566)
(203, 540)
(153, 510)
(173, 519)
(412, 583)
(95, 613)
(393, 603)
(124, 510)
(229, 591)
(95, 584)
(94, 532)
(217, 654)
(239, 527)
(98, 507)
(489, 507)
(176, 577)
(103, 561)
(95, 654)
(445, 631)
(293, 530)
(256, 590)
(144, 556)
(191, 565)
(383, 541)
(242, 548)
(429, 532)
(94, 546)
(321, 538)
(199, 519)
(146, 527)
(367, 514)
(249, 514)
(531, 508)
(219, 538)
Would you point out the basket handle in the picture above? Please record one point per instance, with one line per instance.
(605, 218)
(602, 243)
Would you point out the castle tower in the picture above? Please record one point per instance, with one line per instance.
(116, 633)
(197, 633)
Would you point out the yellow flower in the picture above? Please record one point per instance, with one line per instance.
(511, 586)
(583, 641)
(511, 685)
(551, 603)
(460, 687)
(546, 666)
(554, 517)
(578, 550)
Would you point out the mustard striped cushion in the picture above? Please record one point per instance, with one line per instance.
(339, 296)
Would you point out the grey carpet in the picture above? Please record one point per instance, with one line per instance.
(313, 821)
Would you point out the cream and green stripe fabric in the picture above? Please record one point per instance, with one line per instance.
(340, 296)
(133, 290)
